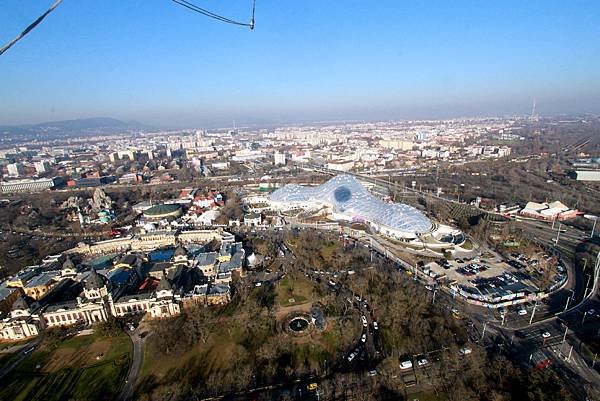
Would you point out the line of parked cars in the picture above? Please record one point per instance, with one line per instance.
(472, 269)
(421, 361)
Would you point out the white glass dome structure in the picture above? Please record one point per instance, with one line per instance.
(349, 198)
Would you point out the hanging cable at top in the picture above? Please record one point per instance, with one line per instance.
(33, 25)
(218, 17)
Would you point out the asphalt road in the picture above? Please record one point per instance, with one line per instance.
(24, 352)
(136, 364)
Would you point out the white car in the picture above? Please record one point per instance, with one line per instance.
(363, 338)
(522, 312)
(351, 356)
(375, 326)
(422, 362)
(406, 364)
(465, 351)
(545, 334)
(364, 321)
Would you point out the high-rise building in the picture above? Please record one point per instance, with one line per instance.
(279, 158)
(15, 169)
(42, 167)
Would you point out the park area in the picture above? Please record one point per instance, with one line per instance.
(209, 351)
(86, 367)
(294, 290)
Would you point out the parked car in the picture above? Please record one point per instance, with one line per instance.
(465, 351)
(363, 338)
(364, 320)
(406, 364)
(522, 312)
(422, 362)
(545, 334)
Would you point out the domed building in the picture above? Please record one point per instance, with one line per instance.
(180, 256)
(165, 304)
(344, 198)
(95, 286)
(68, 269)
(347, 199)
(93, 308)
(163, 211)
(21, 324)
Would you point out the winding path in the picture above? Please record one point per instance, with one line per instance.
(137, 359)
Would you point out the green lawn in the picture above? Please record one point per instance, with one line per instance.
(467, 245)
(71, 369)
(299, 290)
(328, 249)
(104, 380)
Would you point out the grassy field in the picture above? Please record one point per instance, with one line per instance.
(297, 289)
(78, 368)
(467, 245)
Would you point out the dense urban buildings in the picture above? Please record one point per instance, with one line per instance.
(328, 236)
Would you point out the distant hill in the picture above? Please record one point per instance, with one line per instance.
(83, 126)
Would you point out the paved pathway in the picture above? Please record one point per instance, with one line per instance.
(137, 359)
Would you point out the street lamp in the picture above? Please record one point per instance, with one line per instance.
(568, 299)
(483, 331)
(584, 315)
(594, 219)
(533, 312)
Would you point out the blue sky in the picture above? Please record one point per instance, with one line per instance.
(159, 63)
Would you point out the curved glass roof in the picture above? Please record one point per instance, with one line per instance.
(349, 197)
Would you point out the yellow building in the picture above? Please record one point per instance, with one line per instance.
(39, 285)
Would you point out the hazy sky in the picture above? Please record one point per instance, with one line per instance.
(159, 63)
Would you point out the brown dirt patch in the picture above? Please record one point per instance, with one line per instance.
(76, 357)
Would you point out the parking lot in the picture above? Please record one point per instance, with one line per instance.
(491, 276)
(463, 271)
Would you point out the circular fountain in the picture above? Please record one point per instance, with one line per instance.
(298, 324)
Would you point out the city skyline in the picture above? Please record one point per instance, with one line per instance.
(166, 66)
(300, 201)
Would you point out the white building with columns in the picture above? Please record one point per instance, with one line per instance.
(21, 323)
